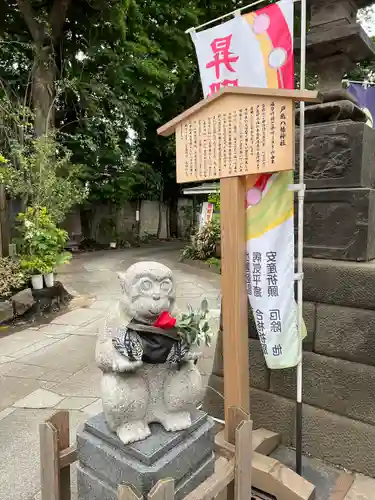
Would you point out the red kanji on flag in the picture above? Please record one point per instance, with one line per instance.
(216, 86)
(222, 55)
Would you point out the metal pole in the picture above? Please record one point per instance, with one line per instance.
(301, 196)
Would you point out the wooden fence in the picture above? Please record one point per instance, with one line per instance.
(56, 457)
(241, 463)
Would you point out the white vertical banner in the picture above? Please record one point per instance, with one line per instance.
(256, 50)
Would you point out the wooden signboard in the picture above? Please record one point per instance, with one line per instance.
(236, 132)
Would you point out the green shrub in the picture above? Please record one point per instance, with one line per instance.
(215, 199)
(214, 262)
(12, 277)
(203, 242)
(41, 243)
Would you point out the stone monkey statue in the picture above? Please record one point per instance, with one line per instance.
(149, 374)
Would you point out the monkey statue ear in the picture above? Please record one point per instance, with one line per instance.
(122, 278)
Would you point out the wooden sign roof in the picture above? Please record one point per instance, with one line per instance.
(295, 95)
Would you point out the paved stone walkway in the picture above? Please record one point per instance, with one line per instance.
(52, 367)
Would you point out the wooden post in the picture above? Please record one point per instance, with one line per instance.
(60, 421)
(163, 490)
(127, 492)
(244, 453)
(49, 462)
(234, 297)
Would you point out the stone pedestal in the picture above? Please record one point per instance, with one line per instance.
(340, 224)
(339, 212)
(335, 41)
(104, 461)
(338, 155)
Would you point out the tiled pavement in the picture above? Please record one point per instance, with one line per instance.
(52, 367)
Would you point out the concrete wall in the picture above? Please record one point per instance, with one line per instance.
(149, 222)
(338, 370)
(124, 218)
(185, 217)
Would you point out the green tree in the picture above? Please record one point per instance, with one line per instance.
(36, 31)
(44, 176)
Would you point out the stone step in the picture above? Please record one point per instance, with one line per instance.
(326, 435)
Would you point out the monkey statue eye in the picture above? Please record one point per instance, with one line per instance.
(166, 286)
(146, 285)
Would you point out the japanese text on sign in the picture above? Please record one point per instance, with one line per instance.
(254, 138)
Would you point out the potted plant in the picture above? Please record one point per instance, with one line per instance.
(41, 245)
(36, 267)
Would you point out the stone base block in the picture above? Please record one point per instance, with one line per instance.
(349, 39)
(350, 284)
(340, 224)
(267, 410)
(338, 155)
(328, 436)
(345, 333)
(104, 462)
(338, 440)
(332, 384)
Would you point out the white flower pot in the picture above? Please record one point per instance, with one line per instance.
(48, 280)
(113, 244)
(37, 281)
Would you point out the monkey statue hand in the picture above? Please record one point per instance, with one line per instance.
(122, 364)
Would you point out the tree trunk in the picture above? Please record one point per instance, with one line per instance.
(43, 91)
(46, 34)
(4, 226)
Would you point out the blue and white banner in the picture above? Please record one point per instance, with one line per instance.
(365, 95)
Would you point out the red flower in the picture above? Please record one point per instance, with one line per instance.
(165, 321)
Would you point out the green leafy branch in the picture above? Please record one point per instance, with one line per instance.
(193, 326)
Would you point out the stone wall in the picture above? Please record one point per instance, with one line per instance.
(338, 369)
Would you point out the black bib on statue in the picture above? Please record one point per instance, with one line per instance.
(157, 343)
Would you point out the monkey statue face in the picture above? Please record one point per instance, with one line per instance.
(148, 290)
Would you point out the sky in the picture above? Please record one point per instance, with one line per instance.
(367, 19)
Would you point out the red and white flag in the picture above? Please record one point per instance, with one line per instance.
(253, 50)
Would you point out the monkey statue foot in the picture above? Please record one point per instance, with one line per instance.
(133, 431)
(176, 421)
